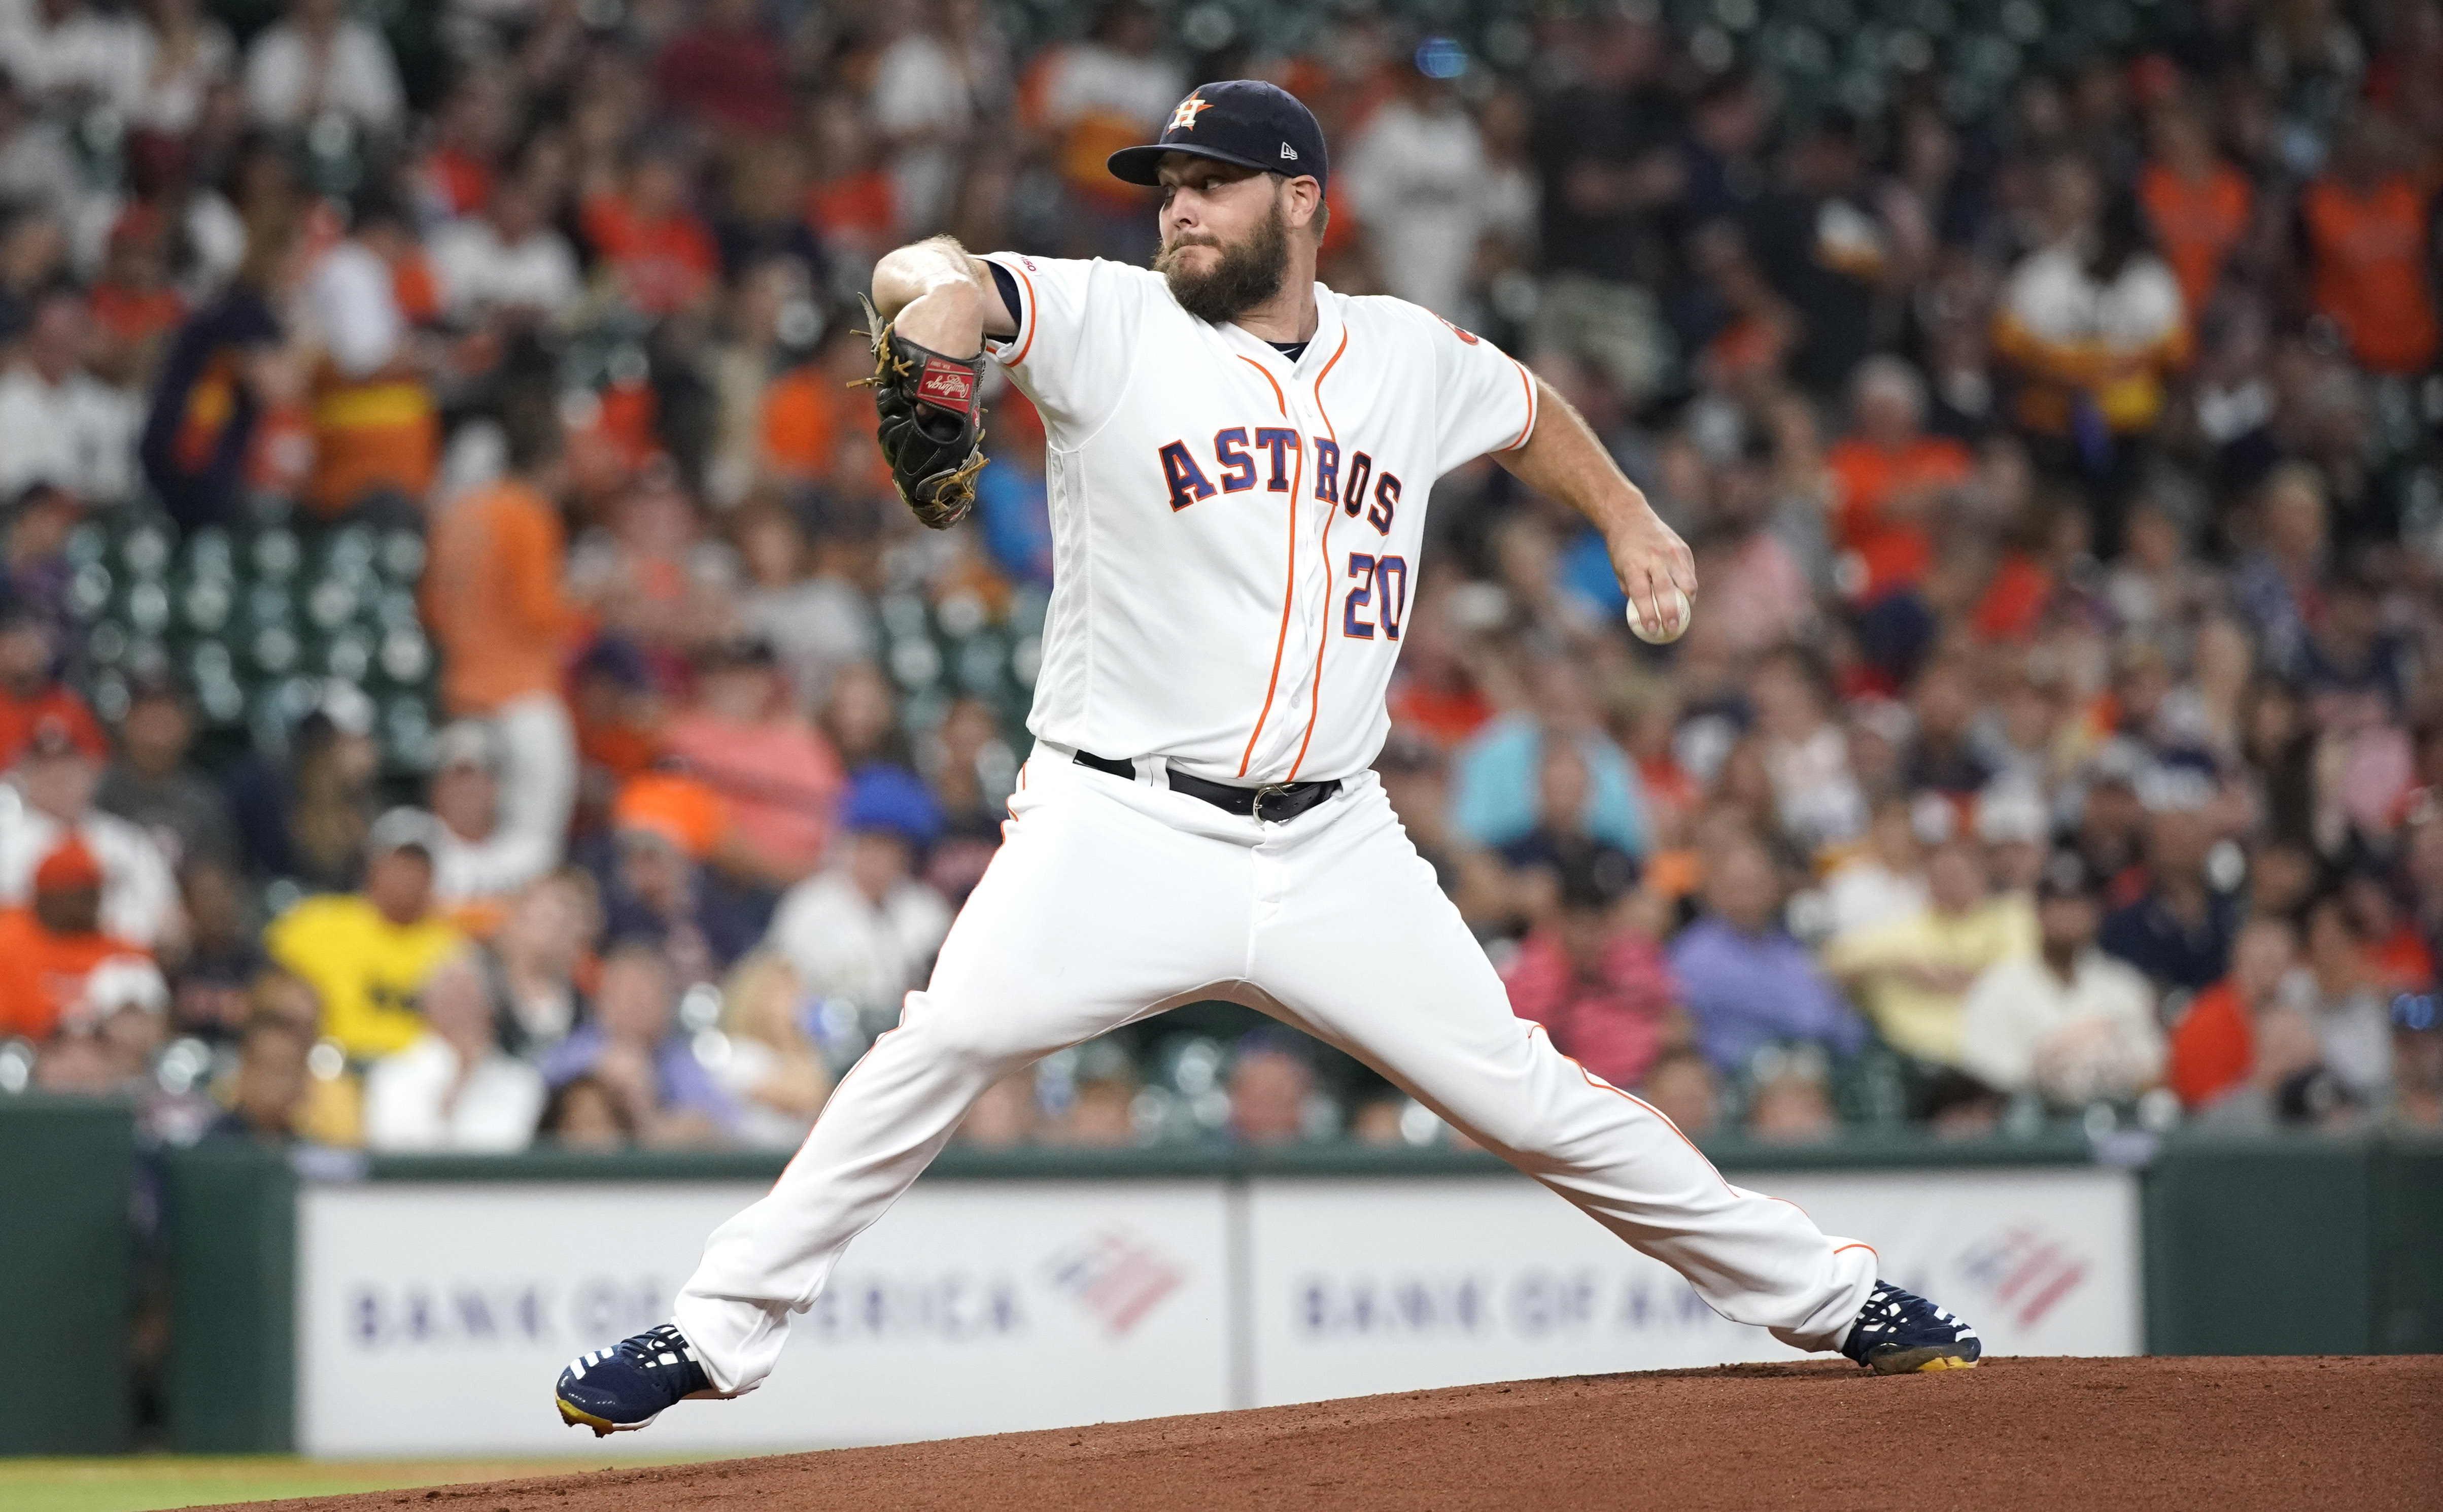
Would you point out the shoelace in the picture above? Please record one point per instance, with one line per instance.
(658, 1346)
(1882, 1312)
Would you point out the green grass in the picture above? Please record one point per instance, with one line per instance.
(141, 1483)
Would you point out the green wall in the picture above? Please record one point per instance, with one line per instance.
(67, 1242)
(2293, 1244)
(2297, 1246)
(231, 1209)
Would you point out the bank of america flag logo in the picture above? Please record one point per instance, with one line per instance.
(2026, 1271)
(1115, 1276)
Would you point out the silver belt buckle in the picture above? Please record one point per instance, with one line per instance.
(1268, 790)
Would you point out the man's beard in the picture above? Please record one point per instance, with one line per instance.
(1243, 277)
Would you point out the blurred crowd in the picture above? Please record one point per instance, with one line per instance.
(2059, 735)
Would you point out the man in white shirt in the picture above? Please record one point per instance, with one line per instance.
(864, 930)
(351, 301)
(2069, 1022)
(924, 100)
(58, 424)
(321, 61)
(452, 1088)
(50, 795)
(71, 57)
(508, 259)
(1416, 178)
(479, 859)
(37, 171)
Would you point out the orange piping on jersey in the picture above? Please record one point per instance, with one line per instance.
(1282, 404)
(1534, 1028)
(1315, 699)
(1528, 429)
(1595, 1080)
(1289, 582)
(1027, 318)
(1868, 1248)
(1328, 430)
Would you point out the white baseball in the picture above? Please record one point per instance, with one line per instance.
(1677, 612)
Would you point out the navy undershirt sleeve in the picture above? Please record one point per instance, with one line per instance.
(1003, 280)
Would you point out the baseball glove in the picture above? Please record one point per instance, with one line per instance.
(931, 423)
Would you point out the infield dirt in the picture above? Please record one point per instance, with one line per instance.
(2334, 1434)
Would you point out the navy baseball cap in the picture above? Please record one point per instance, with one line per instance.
(1244, 121)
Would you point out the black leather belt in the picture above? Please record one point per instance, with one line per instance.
(1274, 801)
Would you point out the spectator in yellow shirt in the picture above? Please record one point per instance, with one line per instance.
(1911, 974)
(367, 953)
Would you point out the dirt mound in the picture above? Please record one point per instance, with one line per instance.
(2232, 1434)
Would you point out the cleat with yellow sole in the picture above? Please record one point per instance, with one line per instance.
(624, 1388)
(1898, 1332)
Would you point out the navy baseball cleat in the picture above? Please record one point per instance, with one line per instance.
(627, 1386)
(1898, 1331)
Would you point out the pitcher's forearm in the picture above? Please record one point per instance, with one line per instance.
(938, 296)
(1563, 460)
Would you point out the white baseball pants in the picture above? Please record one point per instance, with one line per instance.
(1113, 900)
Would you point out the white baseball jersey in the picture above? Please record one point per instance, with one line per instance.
(1234, 538)
(1236, 535)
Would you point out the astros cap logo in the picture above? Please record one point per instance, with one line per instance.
(1184, 118)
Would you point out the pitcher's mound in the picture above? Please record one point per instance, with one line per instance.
(2331, 1434)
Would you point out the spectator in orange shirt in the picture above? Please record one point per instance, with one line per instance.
(655, 243)
(2397, 958)
(2214, 1048)
(2045, 546)
(457, 175)
(49, 948)
(2363, 228)
(799, 426)
(2197, 203)
(492, 598)
(809, 434)
(1888, 475)
(134, 306)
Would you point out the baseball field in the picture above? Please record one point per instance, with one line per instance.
(2335, 1434)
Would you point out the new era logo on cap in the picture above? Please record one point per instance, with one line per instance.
(1289, 152)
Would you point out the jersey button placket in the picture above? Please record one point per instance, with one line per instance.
(1314, 521)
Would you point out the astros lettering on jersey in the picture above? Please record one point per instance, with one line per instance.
(1234, 534)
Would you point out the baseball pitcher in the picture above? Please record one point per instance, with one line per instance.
(1239, 465)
